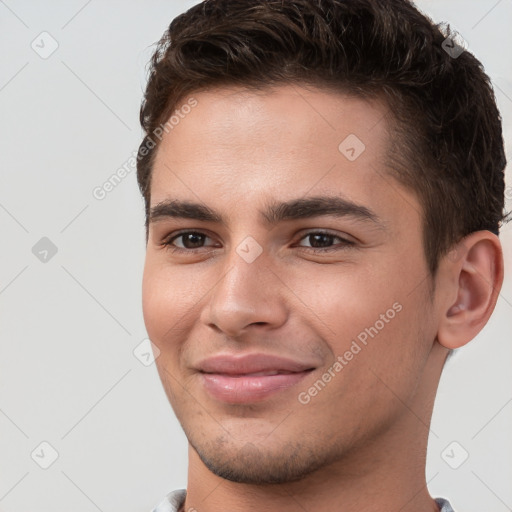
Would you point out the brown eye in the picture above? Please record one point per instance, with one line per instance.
(321, 241)
(187, 241)
(192, 240)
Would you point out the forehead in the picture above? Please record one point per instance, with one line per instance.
(287, 141)
(280, 120)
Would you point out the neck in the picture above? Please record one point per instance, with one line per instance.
(388, 473)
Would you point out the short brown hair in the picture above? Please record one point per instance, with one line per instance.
(447, 142)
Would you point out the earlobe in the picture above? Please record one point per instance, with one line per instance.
(477, 274)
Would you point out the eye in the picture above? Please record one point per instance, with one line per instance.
(321, 242)
(190, 241)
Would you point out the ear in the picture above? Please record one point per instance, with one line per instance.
(472, 277)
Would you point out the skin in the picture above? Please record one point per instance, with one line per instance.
(359, 443)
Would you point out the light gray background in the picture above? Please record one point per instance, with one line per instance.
(68, 375)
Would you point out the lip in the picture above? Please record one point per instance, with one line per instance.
(251, 377)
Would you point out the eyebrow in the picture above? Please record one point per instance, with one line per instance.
(274, 212)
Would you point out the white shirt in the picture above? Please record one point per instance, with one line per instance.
(174, 500)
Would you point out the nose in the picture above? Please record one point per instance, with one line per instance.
(247, 296)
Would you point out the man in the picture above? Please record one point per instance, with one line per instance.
(324, 184)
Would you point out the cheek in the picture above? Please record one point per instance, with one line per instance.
(160, 302)
(383, 315)
(165, 319)
(171, 297)
(344, 303)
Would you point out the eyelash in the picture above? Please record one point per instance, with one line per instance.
(168, 243)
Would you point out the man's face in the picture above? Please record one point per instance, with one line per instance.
(342, 297)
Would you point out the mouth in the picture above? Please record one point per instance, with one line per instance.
(251, 378)
(251, 387)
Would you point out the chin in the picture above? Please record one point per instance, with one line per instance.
(250, 464)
